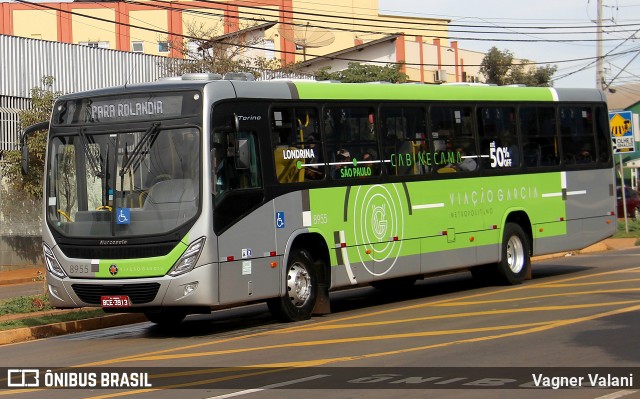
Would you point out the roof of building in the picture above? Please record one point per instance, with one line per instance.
(350, 49)
(237, 33)
(623, 97)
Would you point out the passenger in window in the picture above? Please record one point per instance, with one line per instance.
(369, 161)
(468, 163)
(313, 172)
(342, 156)
(584, 156)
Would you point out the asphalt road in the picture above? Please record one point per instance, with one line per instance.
(446, 337)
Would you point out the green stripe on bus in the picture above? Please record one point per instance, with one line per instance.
(140, 267)
(388, 221)
(347, 91)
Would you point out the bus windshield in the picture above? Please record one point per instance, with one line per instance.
(118, 183)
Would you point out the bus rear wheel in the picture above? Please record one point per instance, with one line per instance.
(515, 259)
(302, 284)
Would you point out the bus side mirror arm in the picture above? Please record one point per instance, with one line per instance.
(24, 159)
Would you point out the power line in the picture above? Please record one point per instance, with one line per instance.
(160, 31)
(170, 6)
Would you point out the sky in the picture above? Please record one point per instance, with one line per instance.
(562, 20)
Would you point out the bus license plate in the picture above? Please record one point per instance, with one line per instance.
(115, 301)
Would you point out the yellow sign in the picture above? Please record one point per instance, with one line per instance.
(619, 125)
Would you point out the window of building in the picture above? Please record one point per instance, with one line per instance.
(193, 52)
(95, 44)
(163, 47)
(269, 49)
(137, 47)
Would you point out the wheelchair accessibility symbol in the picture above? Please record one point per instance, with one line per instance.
(280, 220)
(123, 216)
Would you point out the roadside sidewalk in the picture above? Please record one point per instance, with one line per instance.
(20, 276)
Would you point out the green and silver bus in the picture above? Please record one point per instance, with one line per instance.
(195, 193)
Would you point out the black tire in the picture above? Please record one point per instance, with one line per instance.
(166, 318)
(516, 255)
(515, 260)
(301, 280)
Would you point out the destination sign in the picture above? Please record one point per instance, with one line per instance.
(112, 110)
(129, 108)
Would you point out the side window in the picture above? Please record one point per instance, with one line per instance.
(297, 145)
(229, 175)
(404, 141)
(577, 135)
(603, 136)
(454, 148)
(499, 144)
(351, 141)
(539, 136)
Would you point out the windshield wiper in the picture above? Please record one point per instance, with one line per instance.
(135, 157)
(94, 162)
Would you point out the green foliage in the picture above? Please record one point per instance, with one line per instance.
(25, 304)
(498, 68)
(360, 73)
(634, 229)
(57, 318)
(42, 99)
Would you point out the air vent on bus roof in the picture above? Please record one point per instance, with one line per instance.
(201, 76)
(246, 76)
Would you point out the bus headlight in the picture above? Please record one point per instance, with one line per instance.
(53, 266)
(188, 259)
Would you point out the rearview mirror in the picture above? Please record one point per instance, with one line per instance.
(24, 157)
(243, 160)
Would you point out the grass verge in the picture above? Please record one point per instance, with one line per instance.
(634, 230)
(25, 304)
(35, 320)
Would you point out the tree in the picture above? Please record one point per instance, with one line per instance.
(498, 68)
(360, 73)
(42, 99)
(205, 52)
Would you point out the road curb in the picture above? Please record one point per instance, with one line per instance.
(55, 329)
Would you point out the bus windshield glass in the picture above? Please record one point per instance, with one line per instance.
(123, 183)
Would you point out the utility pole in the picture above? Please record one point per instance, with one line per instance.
(599, 64)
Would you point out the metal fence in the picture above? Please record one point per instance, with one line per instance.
(9, 121)
(24, 62)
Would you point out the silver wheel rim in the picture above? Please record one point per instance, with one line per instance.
(515, 254)
(298, 284)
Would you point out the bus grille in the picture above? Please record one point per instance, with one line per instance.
(115, 252)
(137, 293)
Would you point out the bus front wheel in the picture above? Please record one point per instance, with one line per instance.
(301, 284)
